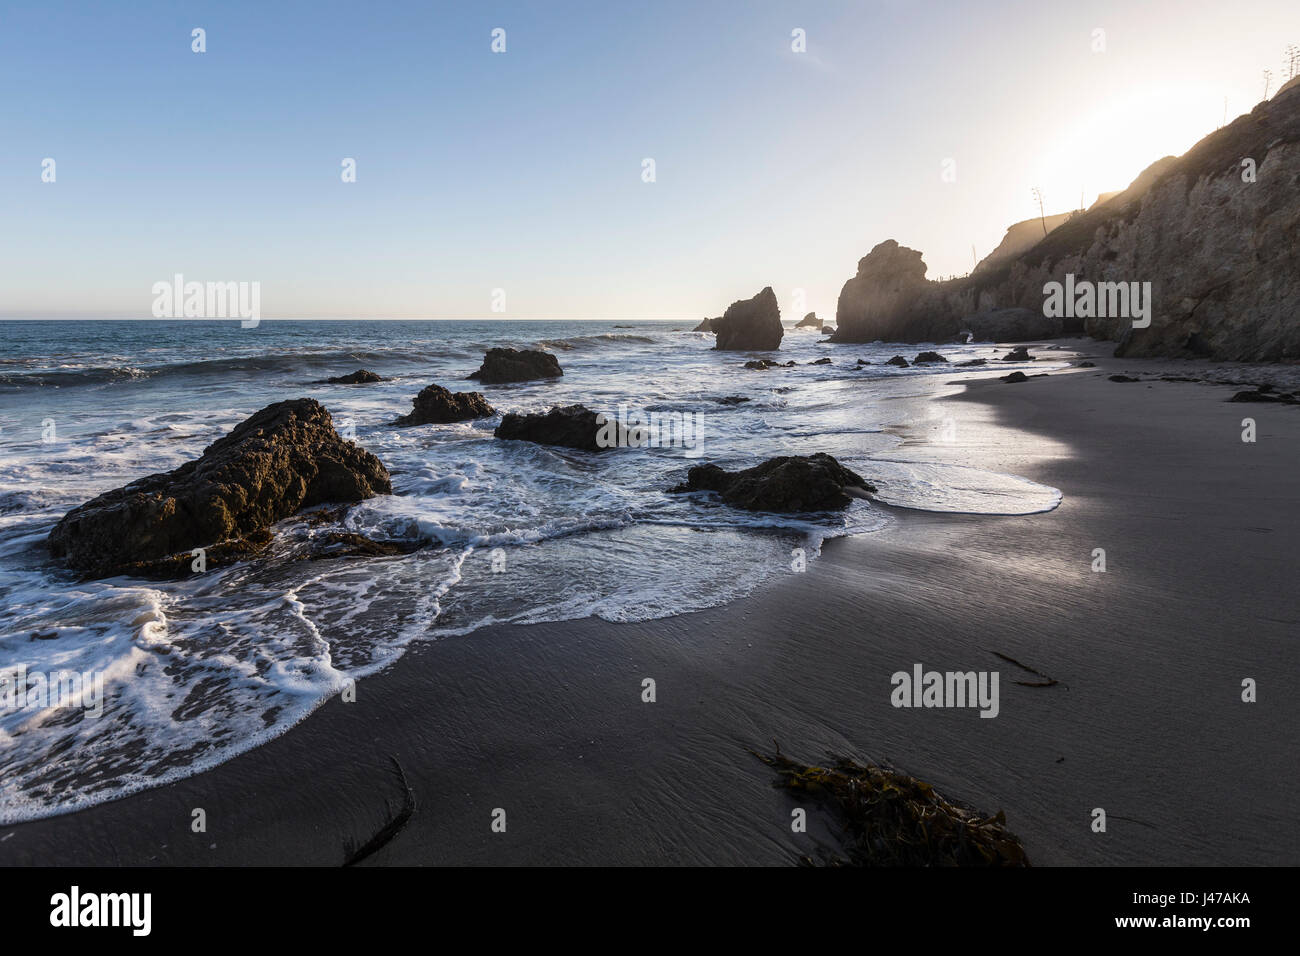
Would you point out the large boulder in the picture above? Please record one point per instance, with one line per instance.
(793, 483)
(280, 460)
(515, 365)
(810, 321)
(572, 426)
(751, 325)
(436, 405)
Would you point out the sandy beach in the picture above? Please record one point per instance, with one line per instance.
(547, 721)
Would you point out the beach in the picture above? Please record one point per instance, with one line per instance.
(548, 723)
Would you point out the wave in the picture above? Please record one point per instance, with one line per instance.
(298, 362)
(592, 341)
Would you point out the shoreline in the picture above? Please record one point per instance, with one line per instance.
(547, 722)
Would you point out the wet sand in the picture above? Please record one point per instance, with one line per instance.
(547, 721)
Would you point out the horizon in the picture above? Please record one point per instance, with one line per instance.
(466, 184)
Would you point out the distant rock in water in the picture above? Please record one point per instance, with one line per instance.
(828, 330)
(705, 326)
(278, 461)
(751, 325)
(513, 365)
(898, 360)
(731, 400)
(1018, 354)
(820, 361)
(787, 484)
(359, 377)
(971, 363)
(809, 321)
(763, 365)
(572, 426)
(928, 358)
(436, 405)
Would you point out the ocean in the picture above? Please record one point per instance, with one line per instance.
(198, 670)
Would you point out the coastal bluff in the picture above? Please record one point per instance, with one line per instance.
(1216, 232)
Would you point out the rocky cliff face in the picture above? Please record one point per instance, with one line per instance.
(1222, 254)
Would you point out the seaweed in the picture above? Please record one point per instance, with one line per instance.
(393, 826)
(891, 819)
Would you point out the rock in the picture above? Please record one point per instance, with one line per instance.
(731, 400)
(928, 358)
(828, 330)
(705, 326)
(786, 484)
(898, 360)
(1018, 354)
(1015, 377)
(971, 363)
(761, 365)
(1011, 325)
(1265, 395)
(359, 377)
(888, 300)
(1086, 365)
(751, 325)
(809, 321)
(1123, 378)
(278, 461)
(820, 361)
(865, 362)
(513, 365)
(572, 426)
(436, 405)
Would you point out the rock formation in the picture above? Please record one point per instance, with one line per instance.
(360, 377)
(436, 405)
(751, 325)
(280, 460)
(787, 484)
(1216, 232)
(514, 365)
(809, 321)
(573, 426)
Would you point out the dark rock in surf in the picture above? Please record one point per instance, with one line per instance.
(1018, 354)
(514, 365)
(436, 405)
(571, 426)
(787, 484)
(360, 377)
(898, 360)
(928, 358)
(278, 461)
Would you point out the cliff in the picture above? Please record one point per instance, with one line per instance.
(1220, 248)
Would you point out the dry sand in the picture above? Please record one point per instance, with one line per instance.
(547, 721)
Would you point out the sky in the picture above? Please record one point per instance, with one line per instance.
(523, 171)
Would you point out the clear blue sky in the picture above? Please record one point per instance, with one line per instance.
(522, 170)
